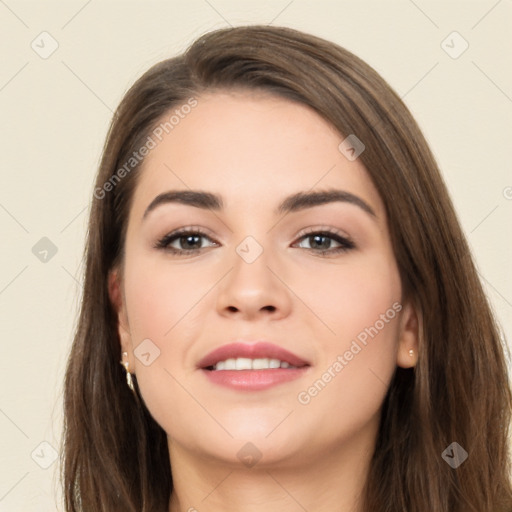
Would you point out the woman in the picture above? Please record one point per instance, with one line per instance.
(273, 258)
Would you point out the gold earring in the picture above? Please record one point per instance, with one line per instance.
(411, 352)
(129, 379)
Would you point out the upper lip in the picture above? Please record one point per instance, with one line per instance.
(260, 349)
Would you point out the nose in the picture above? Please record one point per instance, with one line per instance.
(254, 289)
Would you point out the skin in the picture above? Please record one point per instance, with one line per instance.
(255, 149)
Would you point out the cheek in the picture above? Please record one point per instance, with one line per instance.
(161, 299)
(162, 303)
(360, 305)
(351, 297)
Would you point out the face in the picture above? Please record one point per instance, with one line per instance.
(319, 280)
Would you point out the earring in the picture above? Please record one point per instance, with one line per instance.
(411, 352)
(129, 379)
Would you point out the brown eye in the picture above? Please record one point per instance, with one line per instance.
(188, 241)
(321, 242)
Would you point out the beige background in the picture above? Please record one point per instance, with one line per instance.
(55, 112)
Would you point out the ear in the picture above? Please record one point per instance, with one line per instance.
(410, 322)
(116, 295)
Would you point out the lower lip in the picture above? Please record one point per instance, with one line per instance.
(254, 380)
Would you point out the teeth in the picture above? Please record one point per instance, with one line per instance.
(245, 363)
(242, 363)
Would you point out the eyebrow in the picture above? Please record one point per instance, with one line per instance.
(294, 203)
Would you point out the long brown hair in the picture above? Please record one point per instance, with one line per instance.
(115, 456)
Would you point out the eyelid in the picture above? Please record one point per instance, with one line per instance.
(328, 229)
(190, 228)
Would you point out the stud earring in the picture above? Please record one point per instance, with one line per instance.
(129, 379)
(411, 352)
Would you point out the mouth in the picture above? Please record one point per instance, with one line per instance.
(255, 366)
(260, 355)
(246, 363)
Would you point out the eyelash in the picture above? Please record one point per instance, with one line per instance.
(346, 243)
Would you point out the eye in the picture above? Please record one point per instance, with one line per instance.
(189, 239)
(321, 241)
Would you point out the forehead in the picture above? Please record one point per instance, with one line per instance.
(251, 148)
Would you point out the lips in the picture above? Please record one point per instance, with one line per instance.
(260, 349)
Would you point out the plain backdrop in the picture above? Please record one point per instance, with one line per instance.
(55, 110)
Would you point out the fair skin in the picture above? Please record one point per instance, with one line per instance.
(254, 150)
